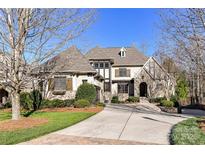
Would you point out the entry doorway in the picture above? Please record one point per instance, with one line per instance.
(143, 89)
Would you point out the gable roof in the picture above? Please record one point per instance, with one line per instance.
(143, 68)
(133, 56)
(71, 60)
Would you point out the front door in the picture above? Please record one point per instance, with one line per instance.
(143, 89)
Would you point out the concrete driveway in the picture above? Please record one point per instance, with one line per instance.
(117, 123)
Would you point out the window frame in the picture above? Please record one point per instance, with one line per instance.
(106, 63)
(96, 65)
(55, 83)
(84, 81)
(124, 70)
(101, 65)
(123, 88)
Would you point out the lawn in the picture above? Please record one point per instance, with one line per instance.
(56, 121)
(187, 132)
(5, 115)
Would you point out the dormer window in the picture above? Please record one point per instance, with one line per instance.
(122, 52)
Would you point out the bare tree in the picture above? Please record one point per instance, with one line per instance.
(183, 38)
(29, 37)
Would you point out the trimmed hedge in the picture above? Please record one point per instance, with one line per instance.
(133, 99)
(167, 103)
(81, 103)
(57, 103)
(86, 91)
(115, 99)
(156, 100)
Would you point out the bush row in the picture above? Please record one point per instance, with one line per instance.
(173, 102)
(85, 95)
(167, 103)
(131, 99)
(57, 103)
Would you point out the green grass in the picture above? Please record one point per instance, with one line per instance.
(57, 121)
(187, 132)
(5, 115)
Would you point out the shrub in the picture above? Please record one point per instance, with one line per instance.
(86, 91)
(182, 88)
(121, 102)
(133, 99)
(6, 105)
(36, 97)
(31, 101)
(57, 103)
(167, 103)
(156, 100)
(81, 103)
(115, 99)
(52, 103)
(69, 102)
(26, 101)
(174, 99)
(100, 104)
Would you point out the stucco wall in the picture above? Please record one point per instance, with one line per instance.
(77, 80)
(133, 71)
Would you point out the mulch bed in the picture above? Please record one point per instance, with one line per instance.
(23, 123)
(168, 110)
(72, 109)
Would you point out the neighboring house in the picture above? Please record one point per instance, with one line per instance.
(127, 72)
(67, 71)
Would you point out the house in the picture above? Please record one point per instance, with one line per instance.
(128, 72)
(66, 72)
(116, 71)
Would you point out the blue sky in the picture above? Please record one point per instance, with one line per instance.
(121, 27)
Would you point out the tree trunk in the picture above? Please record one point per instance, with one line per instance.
(15, 99)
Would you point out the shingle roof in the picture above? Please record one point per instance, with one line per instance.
(71, 60)
(133, 56)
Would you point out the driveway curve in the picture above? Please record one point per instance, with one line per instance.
(118, 123)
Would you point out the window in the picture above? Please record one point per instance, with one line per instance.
(122, 87)
(59, 83)
(122, 72)
(101, 65)
(122, 53)
(96, 65)
(107, 86)
(85, 81)
(106, 65)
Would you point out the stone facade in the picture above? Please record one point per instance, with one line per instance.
(66, 95)
(158, 82)
(123, 96)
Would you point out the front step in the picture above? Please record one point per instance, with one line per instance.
(144, 99)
